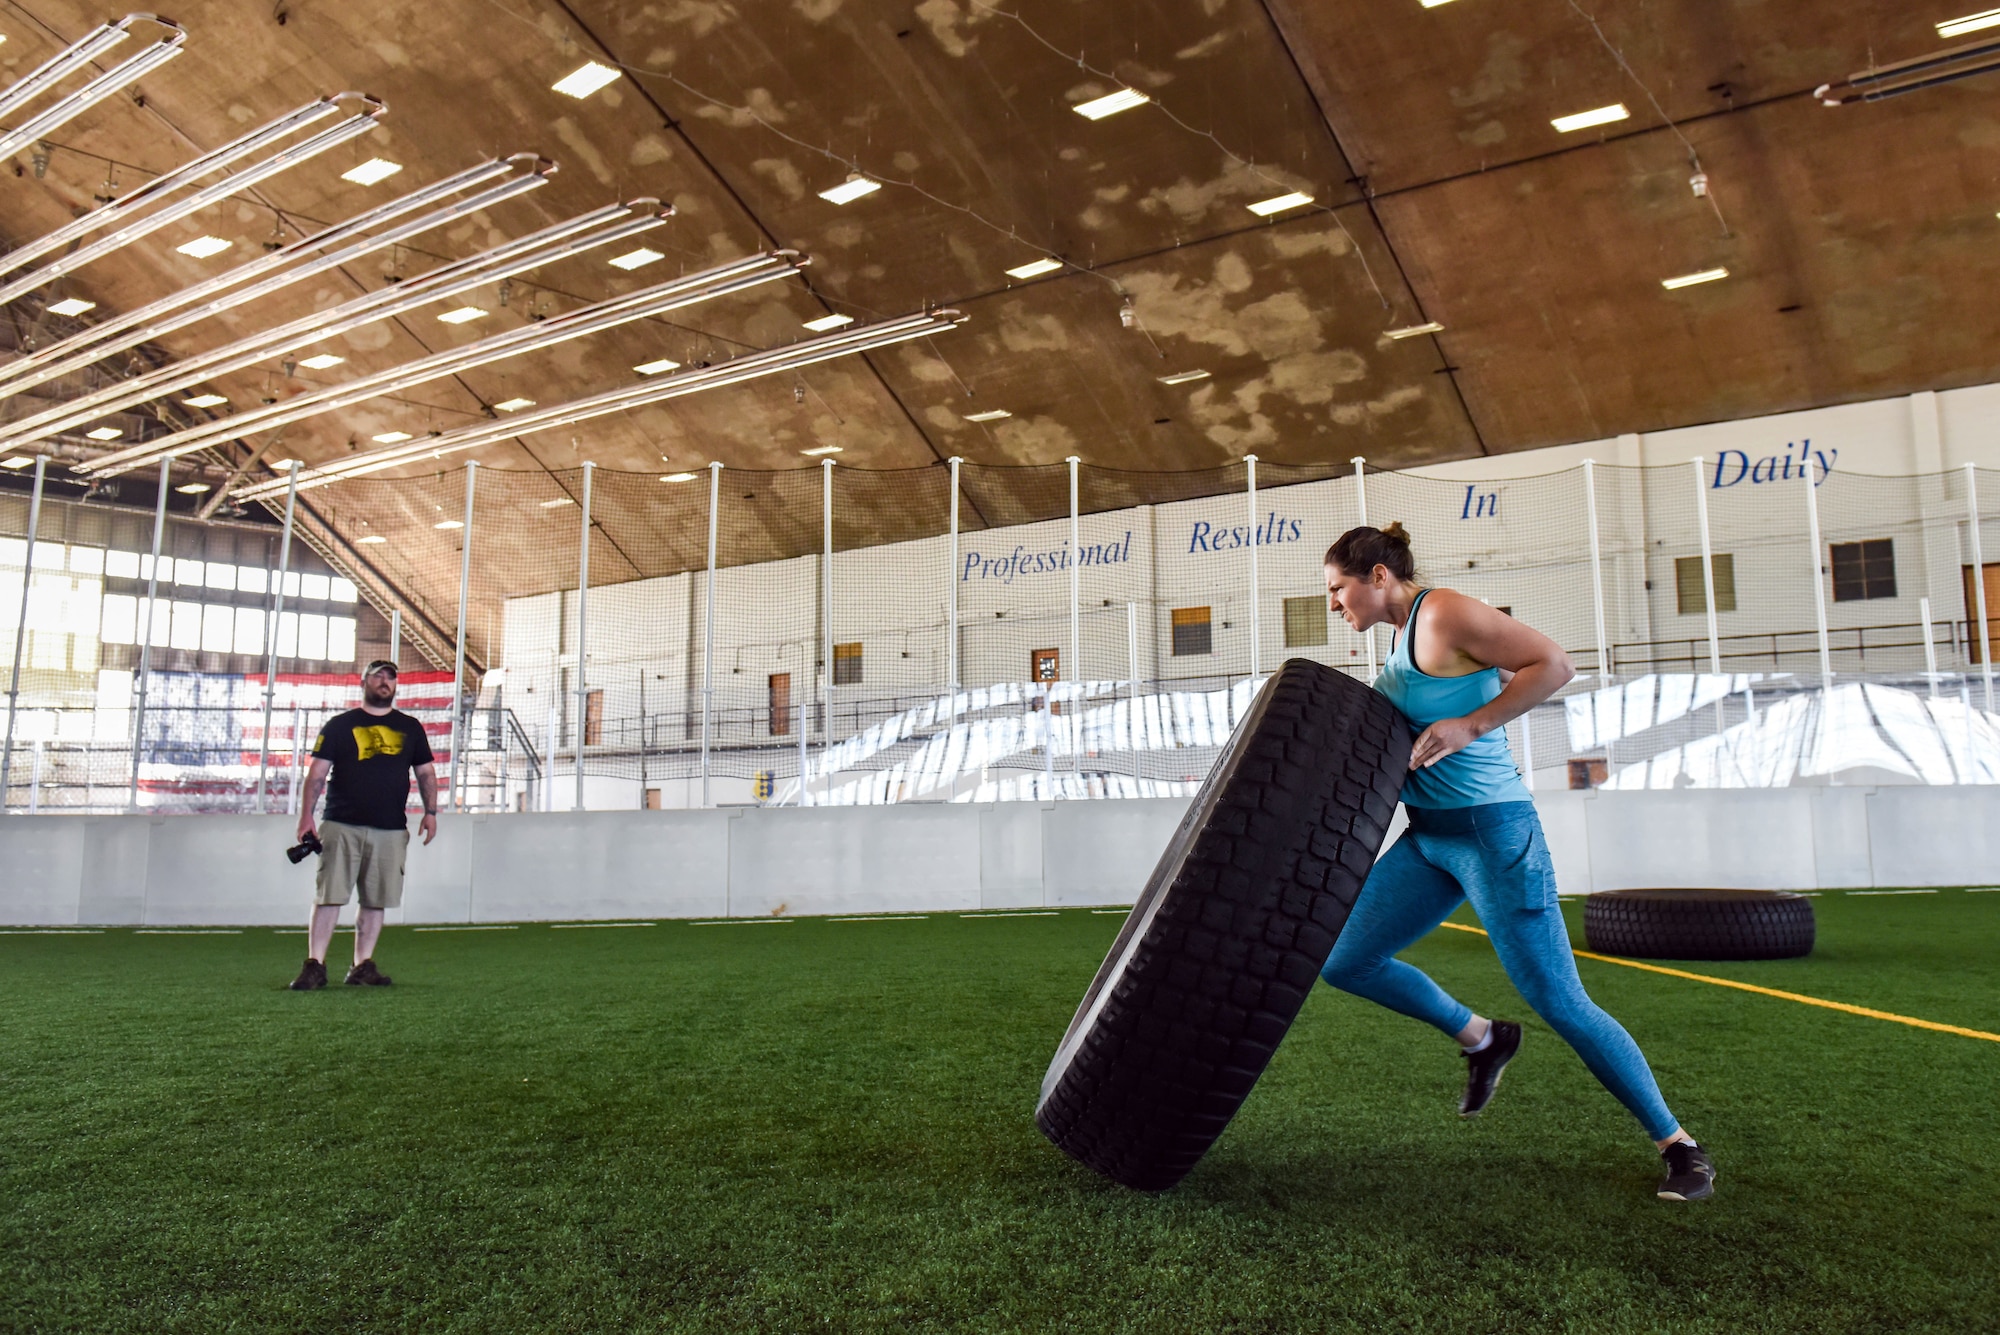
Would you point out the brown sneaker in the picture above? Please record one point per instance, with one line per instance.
(365, 974)
(310, 978)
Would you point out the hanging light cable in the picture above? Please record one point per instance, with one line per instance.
(76, 57)
(734, 277)
(600, 227)
(283, 267)
(302, 151)
(861, 338)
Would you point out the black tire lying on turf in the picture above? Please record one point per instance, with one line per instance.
(1699, 924)
(1230, 932)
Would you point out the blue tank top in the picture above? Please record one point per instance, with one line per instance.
(1483, 773)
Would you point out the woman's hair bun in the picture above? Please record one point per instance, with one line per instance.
(1394, 529)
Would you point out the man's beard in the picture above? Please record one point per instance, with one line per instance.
(378, 695)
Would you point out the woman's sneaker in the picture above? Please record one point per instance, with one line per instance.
(310, 978)
(1690, 1173)
(1483, 1068)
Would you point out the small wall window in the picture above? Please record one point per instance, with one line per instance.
(1864, 570)
(593, 719)
(780, 686)
(1045, 665)
(847, 665)
(1191, 632)
(1305, 621)
(1689, 596)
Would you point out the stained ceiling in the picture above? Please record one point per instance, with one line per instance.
(1859, 241)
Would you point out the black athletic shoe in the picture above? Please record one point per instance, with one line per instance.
(310, 978)
(1483, 1068)
(365, 974)
(1690, 1173)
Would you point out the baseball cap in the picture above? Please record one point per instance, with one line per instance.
(380, 665)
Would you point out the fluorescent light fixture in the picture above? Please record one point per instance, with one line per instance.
(1433, 4)
(463, 315)
(449, 523)
(659, 367)
(513, 405)
(1264, 208)
(205, 401)
(371, 538)
(280, 465)
(818, 450)
(193, 488)
(204, 246)
(636, 259)
(1413, 330)
(990, 415)
(1111, 104)
(372, 171)
(1183, 377)
(1035, 268)
(18, 461)
(324, 361)
(585, 79)
(560, 500)
(1583, 120)
(1970, 23)
(392, 438)
(105, 433)
(72, 306)
(1690, 279)
(679, 477)
(44, 79)
(853, 188)
(826, 322)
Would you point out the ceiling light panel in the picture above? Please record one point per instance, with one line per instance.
(990, 415)
(636, 259)
(72, 306)
(105, 433)
(392, 437)
(660, 367)
(1111, 104)
(1183, 377)
(853, 188)
(372, 172)
(371, 538)
(560, 500)
(1413, 330)
(449, 523)
(325, 361)
(585, 79)
(819, 450)
(1297, 199)
(204, 246)
(193, 488)
(679, 477)
(1583, 120)
(1035, 268)
(1970, 23)
(826, 322)
(205, 401)
(463, 315)
(18, 461)
(513, 405)
(1690, 279)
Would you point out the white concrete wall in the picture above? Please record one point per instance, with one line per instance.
(214, 870)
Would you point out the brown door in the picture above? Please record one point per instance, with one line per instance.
(593, 719)
(1992, 611)
(1045, 665)
(781, 704)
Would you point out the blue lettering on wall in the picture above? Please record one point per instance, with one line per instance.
(1272, 529)
(1480, 507)
(1734, 466)
(1022, 561)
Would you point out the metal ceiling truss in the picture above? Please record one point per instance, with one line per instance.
(658, 300)
(160, 186)
(573, 236)
(277, 270)
(860, 338)
(76, 57)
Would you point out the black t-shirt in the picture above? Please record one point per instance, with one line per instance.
(372, 757)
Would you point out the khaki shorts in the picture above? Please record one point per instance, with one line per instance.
(358, 857)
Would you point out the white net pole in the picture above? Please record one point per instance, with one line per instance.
(708, 636)
(582, 632)
(1250, 512)
(21, 632)
(1361, 505)
(1979, 580)
(1708, 568)
(1596, 572)
(145, 674)
(951, 604)
(826, 613)
(277, 618)
(458, 646)
(1818, 583)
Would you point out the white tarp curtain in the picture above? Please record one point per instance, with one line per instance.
(1598, 718)
(943, 759)
(1861, 732)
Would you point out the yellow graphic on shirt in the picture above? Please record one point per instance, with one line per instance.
(379, 741)
(319, 745)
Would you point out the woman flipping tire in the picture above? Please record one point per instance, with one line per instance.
(1474, 835)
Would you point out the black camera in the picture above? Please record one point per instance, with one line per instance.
(297, 852)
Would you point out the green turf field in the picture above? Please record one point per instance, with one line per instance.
(826, 1125)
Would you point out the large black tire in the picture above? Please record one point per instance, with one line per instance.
(1224, 943)
(1699, 924)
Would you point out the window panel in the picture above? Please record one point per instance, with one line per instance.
(1305, 621)
(48, 649)
(288, 635)
(251, 579)
(1863, 569)
(1192, 632)
(343, 590)
(314, 587)
(82, 608)
(87, 560)
(846, 664)
(125, 565)
(218, 628)
(1690, 599)
(249, 631)
(186, 572)
(221, 576)
(312, 637)
(120, 624)
(340, 639)
(186, 632)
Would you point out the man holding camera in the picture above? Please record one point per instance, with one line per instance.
(370, 753)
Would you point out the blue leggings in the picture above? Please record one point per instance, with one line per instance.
(1495, 856)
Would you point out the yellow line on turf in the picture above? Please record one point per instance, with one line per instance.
(1769, 992)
